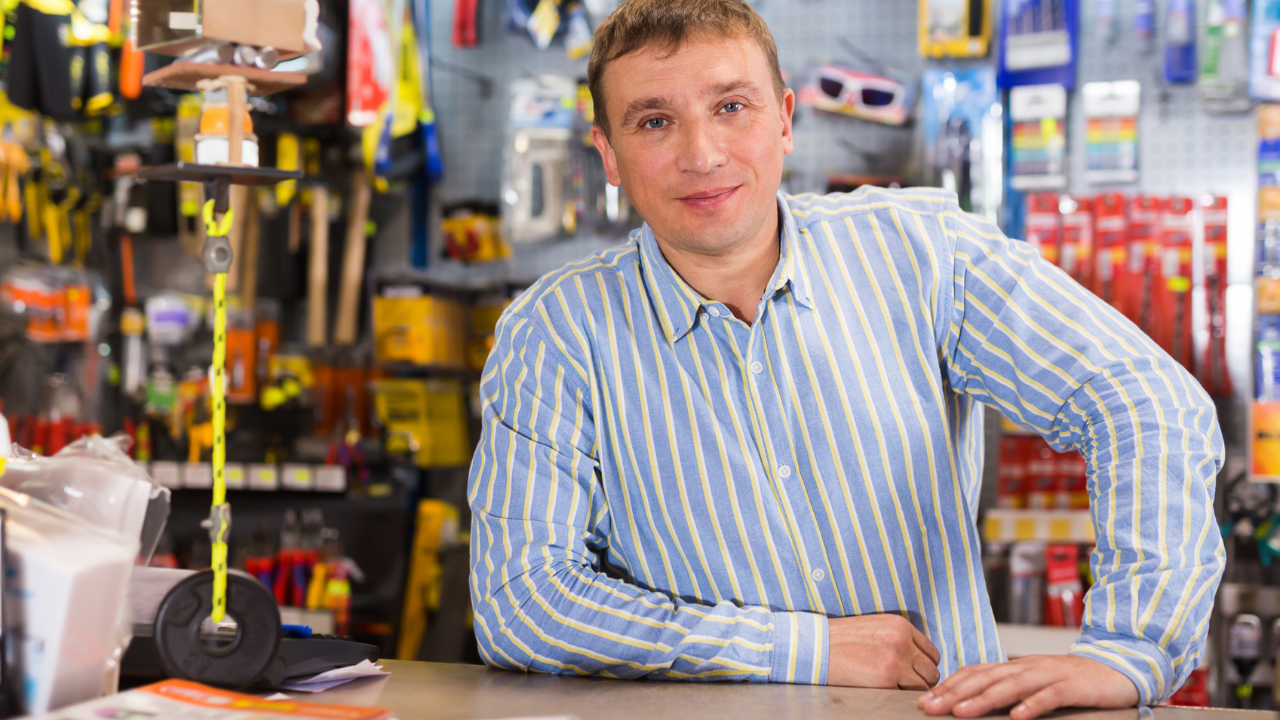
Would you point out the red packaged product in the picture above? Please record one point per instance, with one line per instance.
(1011, 471)
(1072, 487)
(1076, 252)
(1064, 592)
(1194, 692)
(1144, 225)
(1042, 475)
(1044, 225)
(1213, 374)
(1173, 310)
(1111, 235)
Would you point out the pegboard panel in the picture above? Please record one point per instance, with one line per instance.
(1183, 149)
(472, 128)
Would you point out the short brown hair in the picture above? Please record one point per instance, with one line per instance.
(638, 24)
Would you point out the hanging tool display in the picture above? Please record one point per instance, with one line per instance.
(1038, 41)
(1173, 326)
(464, 23)
(1044, 226)
(318, 269)
(954, 28)
(1077, 238)
(1180, 42)
(1213, 373)
(1145, 212)
(344, 332)
(1224, 63)
(1111, 235)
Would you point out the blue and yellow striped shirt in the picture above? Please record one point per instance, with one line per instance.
(663, 490)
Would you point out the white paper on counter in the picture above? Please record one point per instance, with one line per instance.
(336, 677)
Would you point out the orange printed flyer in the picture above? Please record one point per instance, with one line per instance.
(184, 700)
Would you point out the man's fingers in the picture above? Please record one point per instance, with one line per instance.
(1001, 694)
(956, 690)
(913, 681)
(1045, 700)
(927, 669)
(925, 645)
(959, 676)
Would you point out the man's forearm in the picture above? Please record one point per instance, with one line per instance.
(1153, 459)
(547, 611)
(1056, 358)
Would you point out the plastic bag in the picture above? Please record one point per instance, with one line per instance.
(66, 587)
(93, 479)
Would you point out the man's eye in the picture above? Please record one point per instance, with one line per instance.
(732, 107)
(655, 123)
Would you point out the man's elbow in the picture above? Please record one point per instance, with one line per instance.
(495, 648)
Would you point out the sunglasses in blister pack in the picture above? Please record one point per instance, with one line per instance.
(834, 89)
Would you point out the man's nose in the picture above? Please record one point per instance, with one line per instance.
(703, 149)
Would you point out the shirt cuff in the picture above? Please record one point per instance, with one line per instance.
(799, 649)
(1138, 659)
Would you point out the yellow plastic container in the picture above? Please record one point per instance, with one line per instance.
(427, 330)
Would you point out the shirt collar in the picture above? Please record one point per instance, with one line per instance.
(678, 304)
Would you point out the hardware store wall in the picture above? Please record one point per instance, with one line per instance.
(1183, 149)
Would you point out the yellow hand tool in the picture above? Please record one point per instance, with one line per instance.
(36, 193)
(57, 224)
(82, 228)
(16, 164)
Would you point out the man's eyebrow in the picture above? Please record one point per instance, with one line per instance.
(637, 107)
(733, 86)
(657, 102)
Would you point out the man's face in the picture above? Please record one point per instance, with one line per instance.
(697, 140)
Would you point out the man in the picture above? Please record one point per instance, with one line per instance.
(746, 445)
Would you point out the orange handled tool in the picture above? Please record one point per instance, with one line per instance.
(131, 62)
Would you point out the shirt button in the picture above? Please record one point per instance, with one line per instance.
(715, 311)
(784, 471)
(756, 367)
(818, 575)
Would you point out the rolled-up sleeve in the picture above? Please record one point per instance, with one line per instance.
(1019, 334)
(547, 594)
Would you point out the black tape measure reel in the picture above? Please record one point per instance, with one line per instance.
(226, 663)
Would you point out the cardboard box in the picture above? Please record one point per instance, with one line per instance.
(171, 27)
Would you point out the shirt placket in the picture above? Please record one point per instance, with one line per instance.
(773, 443)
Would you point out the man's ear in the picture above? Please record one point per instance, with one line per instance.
(788, 109)
(601, 142)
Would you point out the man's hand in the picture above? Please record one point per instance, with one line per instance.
(1042, 682)
(880, 651)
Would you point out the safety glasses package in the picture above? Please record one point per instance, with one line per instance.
(835, 89)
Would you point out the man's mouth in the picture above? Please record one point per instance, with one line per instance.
(711, 198)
